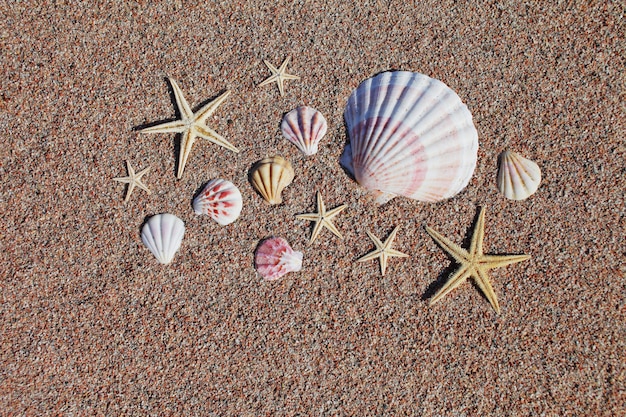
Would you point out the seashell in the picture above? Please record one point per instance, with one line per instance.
(219, 199)
(274, 258)
(304, 127)
(270, 176)
(163, 234)
(518, 177)
(410, 135)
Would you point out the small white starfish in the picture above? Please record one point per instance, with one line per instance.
(322, 218)
(192, 126)
(279, 75)
(133, 180)
(383, 251)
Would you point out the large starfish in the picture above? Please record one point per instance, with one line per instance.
(322, 218)
(473, 263)
(191, 126)
(383, 251)
(133, 180)
(279, 75)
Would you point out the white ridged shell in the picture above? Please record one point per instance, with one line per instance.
(274, 258)
(518, 177)
(304, 127)
(163, 234)
(220, 200)
(410, 135)
(270, 176)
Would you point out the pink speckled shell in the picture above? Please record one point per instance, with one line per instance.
(274, 258)
(410, 135)
(304, 127)
(220, 200)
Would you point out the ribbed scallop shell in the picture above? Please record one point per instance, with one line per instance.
(410, 135)
(220, 200)
(163, 234)
(274, 258)
(304, 127)
(518, 177)
(270, 176)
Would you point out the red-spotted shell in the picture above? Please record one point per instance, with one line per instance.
(220, 200)
(304, 127)
(274, 258)
(410, 135)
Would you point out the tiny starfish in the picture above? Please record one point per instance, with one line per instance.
(279, 75)
(192, 126)
(133, 180)
(322, 218)
(383, 250)
(474, 263)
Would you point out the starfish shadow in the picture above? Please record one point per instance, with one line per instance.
(445, 275)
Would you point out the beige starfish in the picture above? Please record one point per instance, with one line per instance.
(322, 218)
(279, 75)
(474, 263)
(383, 251)
(192, 126)
(133, 180)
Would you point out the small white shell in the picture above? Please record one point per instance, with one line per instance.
(220, 200)
(163, 234)
(270, 176)
(274, 258)
(304, 127)
(518, 177)
(410, 135)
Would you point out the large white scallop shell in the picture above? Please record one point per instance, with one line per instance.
(410, 135)
(518, 177)
(220, 200)
(274, 258)
(270, 176)
(304, 127)
(163, 234)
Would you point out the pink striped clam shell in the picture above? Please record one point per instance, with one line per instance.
(274, 258)
(410, 135)
(220, 200)
(304, 127)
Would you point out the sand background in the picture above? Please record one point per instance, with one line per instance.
(91, 324)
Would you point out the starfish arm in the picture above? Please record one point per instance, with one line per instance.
(271, 67)
(176, 126)
(268, 80)
(206, 111)
(396, 253)
(283, 66)
(383, 263)
(377, 242)
(126, 180)
(482, 280)
(131, 187)
(321, 208)
(330, 226)
(186, 143)
(281, 87)
(290, 77)
(332, 213)
(497, 261)
(454, 281)
(316, 231)
(476, 246)
(372, 255)
(308, 216)
(209, 134)
(181, 103)
(457, 252)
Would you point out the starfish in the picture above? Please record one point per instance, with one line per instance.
(191, 126)
(473, 263)
(322, 218)
(133, 180)
(279, 75)
(383, 251)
